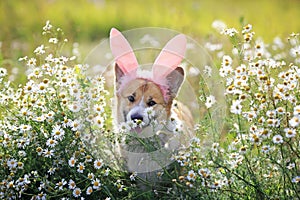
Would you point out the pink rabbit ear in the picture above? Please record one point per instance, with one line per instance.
(170, 57)
(122, 52)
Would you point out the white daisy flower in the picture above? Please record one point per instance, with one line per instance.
(48, 26)
(191, 175)
(72, 162)
(265, 148)
(296, 110)
(96, 184)
(39, 118)
(229, 31)
(77, 192)
(98, 108)
(72, 184)
(89, 190)
(210, 100)
(295, 121)
(39, 50)
(58, 132)
(48, 153)
(61, 184)
(290, 132)
(53, 40)
(51, 143)
(24, 128)
(12, 163)
(80, 167)
(99, 121)
(132, 176)
(277, 139)
(98, 163)
(90, 176)
(75, 125)
(51, 171)
(75, 107)
(236, 107)
(31, 62)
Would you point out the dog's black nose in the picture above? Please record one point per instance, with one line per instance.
(136, 117)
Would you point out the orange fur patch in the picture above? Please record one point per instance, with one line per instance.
(145, 90)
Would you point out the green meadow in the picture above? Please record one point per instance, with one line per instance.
(87, 21)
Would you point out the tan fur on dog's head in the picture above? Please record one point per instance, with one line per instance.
(139, 94)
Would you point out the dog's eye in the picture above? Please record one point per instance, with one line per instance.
(131, 98)
(151, 103)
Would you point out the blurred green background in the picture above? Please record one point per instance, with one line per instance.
(87, 21)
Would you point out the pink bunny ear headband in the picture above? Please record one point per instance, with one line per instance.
(167, 61)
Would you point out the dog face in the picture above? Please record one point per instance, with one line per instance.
(136, 93)
(140, 95)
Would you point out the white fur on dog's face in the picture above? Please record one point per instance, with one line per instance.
(137, 97)
(138, 113)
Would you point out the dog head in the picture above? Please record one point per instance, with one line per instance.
(138, 93)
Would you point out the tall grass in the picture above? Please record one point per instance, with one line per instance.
(87, 20)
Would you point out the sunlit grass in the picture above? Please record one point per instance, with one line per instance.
(92, 20)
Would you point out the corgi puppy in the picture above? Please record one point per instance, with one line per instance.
(143, 97)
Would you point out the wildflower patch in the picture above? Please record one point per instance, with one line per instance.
(57, 138)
